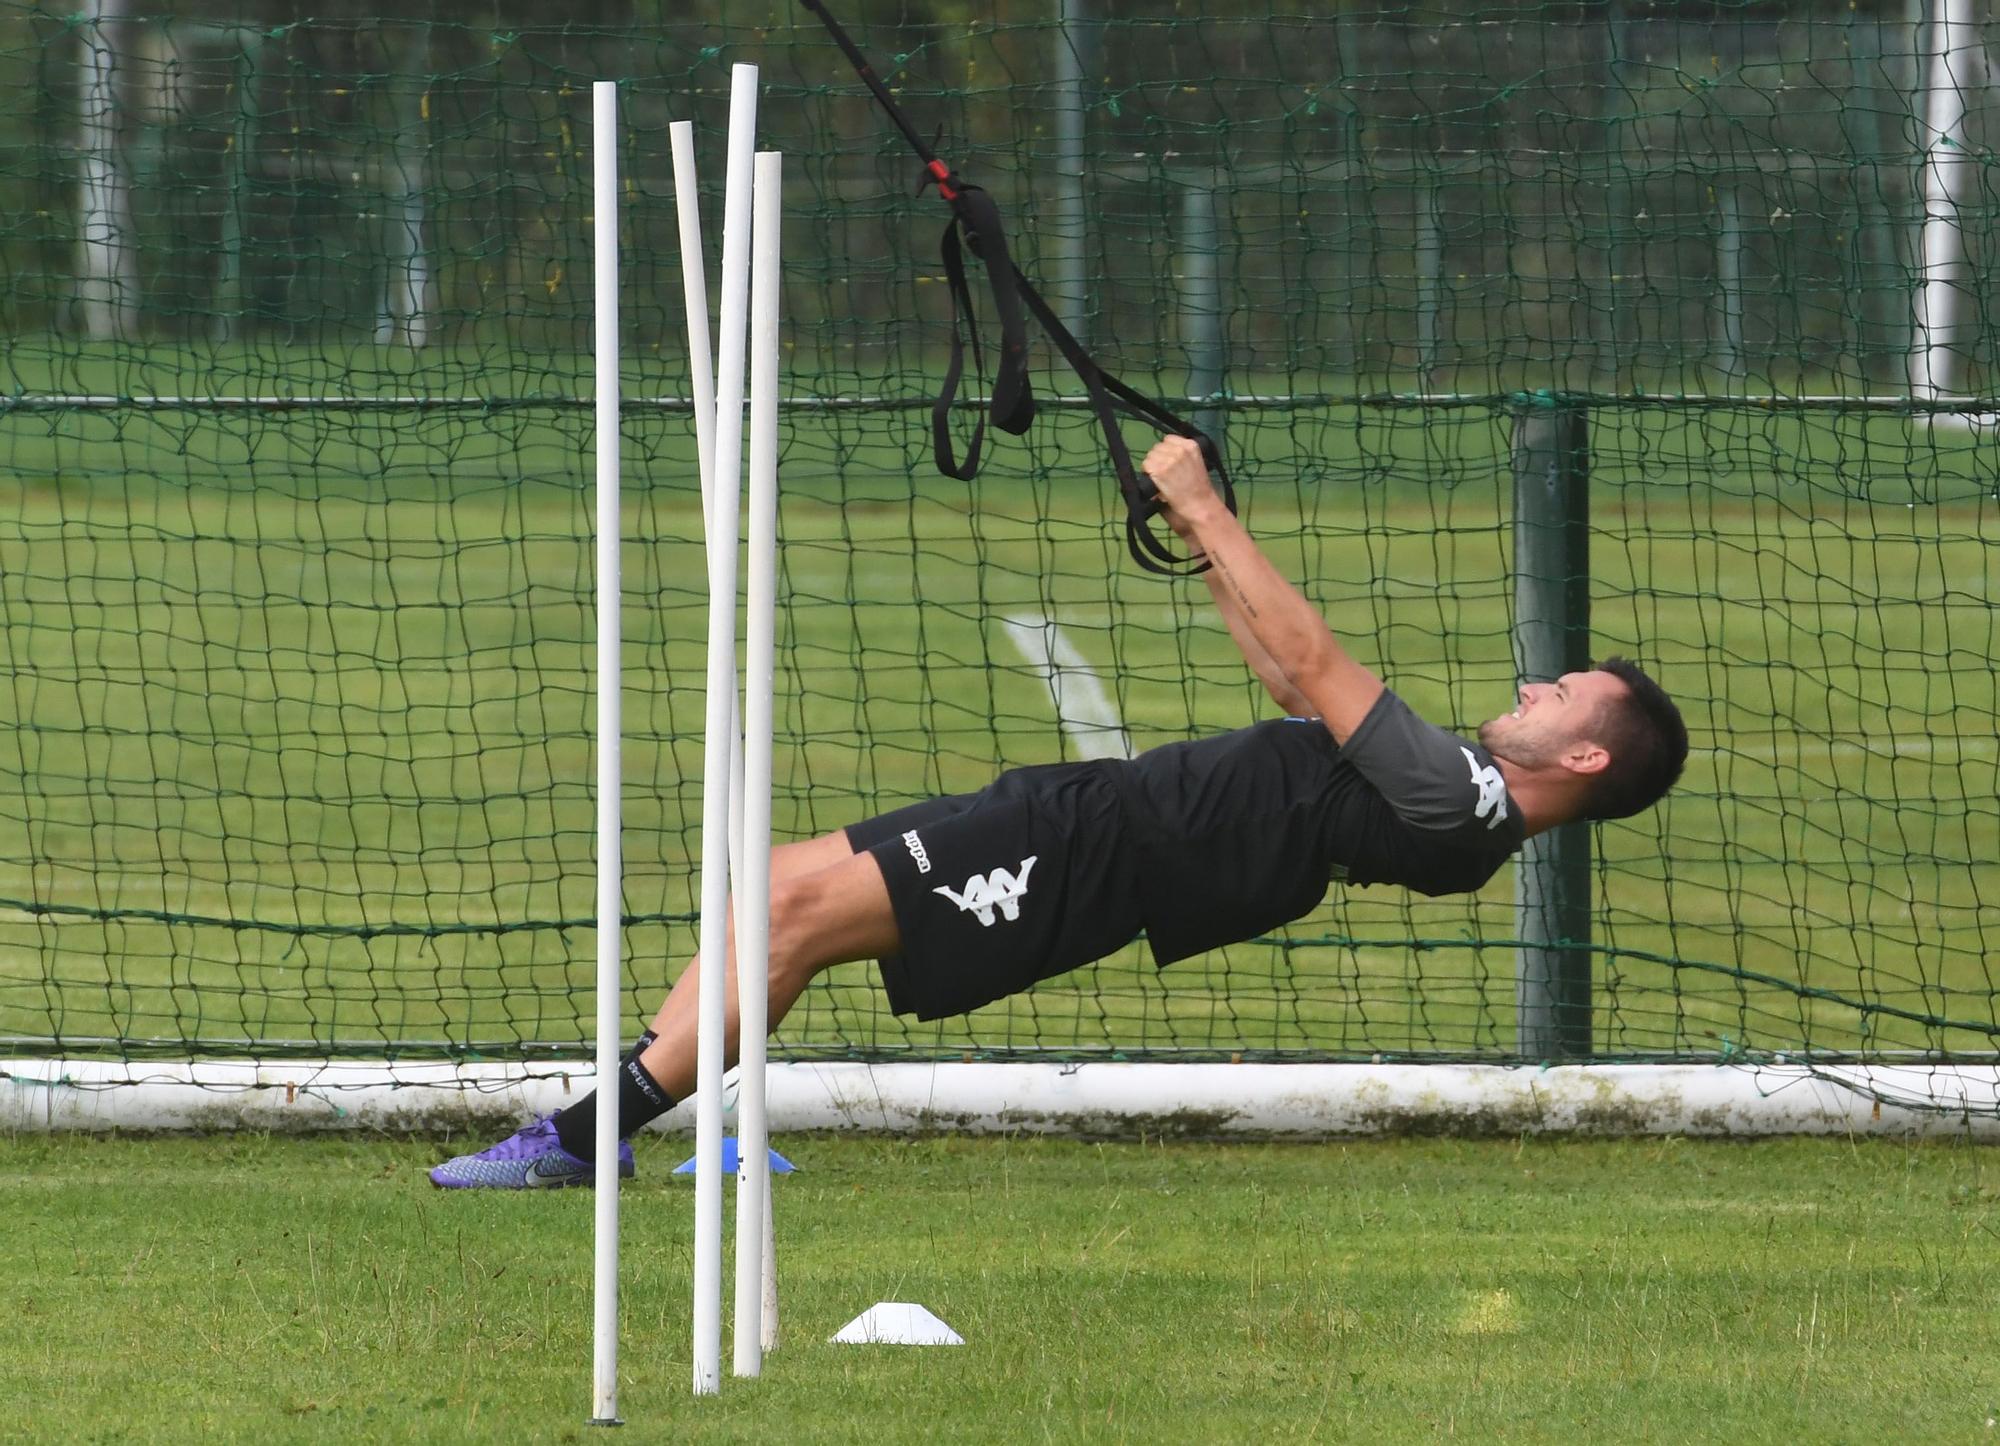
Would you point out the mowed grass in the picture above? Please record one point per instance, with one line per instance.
(247, 1288)
(299, 734)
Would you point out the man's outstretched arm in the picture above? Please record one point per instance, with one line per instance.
(1287, 631)
(1261, 663)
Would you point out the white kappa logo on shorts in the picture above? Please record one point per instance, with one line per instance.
(917, 851)
(999, 889)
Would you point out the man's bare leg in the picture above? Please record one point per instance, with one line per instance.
(829, 905)
(788, 861)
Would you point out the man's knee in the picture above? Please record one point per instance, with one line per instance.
(807, 856)
(829, 916)
(798, 903)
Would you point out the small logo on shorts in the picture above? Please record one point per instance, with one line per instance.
(999, 889)
(917, 851)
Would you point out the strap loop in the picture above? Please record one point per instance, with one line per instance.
(1011, 406)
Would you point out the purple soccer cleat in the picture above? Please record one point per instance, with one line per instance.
(529, 1159)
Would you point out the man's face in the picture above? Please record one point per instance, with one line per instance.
(1552, 720)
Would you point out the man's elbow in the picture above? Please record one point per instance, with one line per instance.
(1295, 703)
(1339, 691)
(1315, 679)
(1283, 688)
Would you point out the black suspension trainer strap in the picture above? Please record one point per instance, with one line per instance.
(1012, 401)
(1011, 406)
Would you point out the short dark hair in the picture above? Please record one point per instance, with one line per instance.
(1647, 741)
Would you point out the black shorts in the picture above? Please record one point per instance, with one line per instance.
(1028, 878)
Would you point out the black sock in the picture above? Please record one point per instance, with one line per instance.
(640, 1101)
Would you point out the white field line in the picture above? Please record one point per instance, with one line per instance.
(1084, 709)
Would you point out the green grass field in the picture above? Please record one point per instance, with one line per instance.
(255, 1289)
(298, 739)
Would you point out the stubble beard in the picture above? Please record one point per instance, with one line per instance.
(1520, 744)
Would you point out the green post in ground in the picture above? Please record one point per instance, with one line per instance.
(1065, 245)
(1552, 637)
(232, 294)
(1202, 327)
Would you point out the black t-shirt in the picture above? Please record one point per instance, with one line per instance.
(1237, 834)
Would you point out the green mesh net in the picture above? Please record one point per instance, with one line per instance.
(296, 680)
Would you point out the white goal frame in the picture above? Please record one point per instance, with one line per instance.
(1099, 1099)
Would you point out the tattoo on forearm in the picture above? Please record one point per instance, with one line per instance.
(1235, 587)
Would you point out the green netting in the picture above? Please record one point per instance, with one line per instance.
(295, 746)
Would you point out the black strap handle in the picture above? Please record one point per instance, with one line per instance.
(1108, 395)
(1011, 406)
(1012, 402)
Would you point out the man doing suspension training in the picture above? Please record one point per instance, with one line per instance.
(968, 899)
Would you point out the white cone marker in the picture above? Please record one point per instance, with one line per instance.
(896, 1323)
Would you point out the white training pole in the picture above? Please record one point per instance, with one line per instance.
(694, 297)
(769, 1334)
(727, 490)
(753, 927)
(701, 368)
(610, 893)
